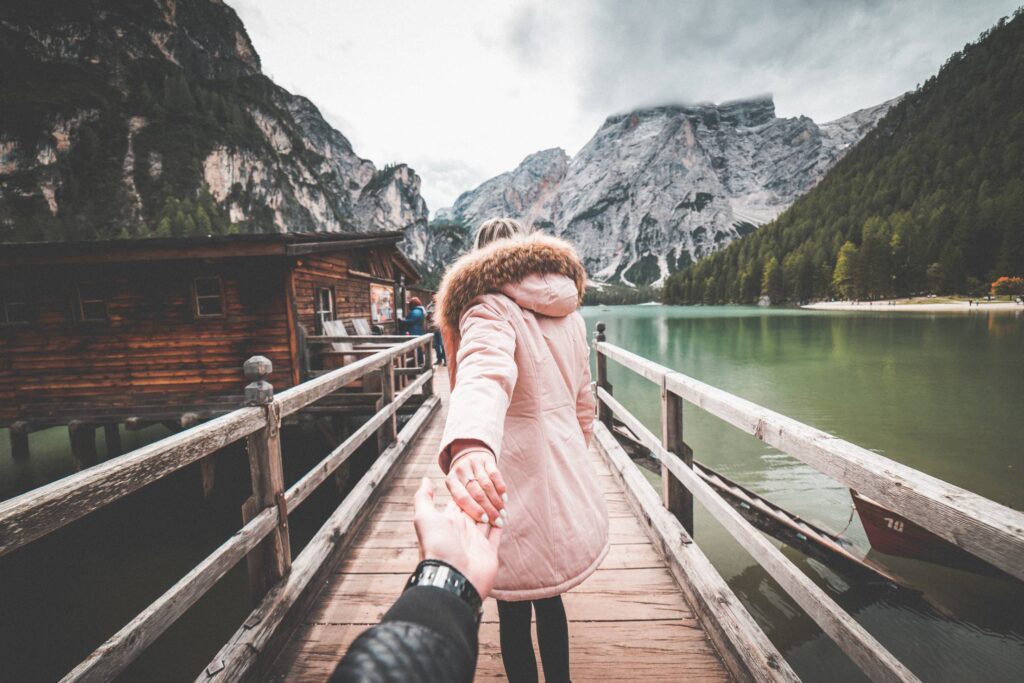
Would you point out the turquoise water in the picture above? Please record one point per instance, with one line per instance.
(943, 393)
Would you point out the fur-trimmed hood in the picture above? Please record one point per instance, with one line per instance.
(507, 266)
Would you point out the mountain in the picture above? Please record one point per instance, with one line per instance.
(656, 189)
(932, 200)
(132, 118)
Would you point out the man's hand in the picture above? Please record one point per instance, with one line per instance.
(454, 538)
(476, 485)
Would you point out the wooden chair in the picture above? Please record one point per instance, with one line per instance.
(362, 327)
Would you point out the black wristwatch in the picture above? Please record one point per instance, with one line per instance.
(440, 574)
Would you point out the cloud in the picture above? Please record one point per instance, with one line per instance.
(821, 58)
(462, 90)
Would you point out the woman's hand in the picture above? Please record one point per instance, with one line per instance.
(476, 485)
(456, 539)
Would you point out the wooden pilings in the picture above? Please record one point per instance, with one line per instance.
(271, 560)
(112, 437)
(19, 439)
(83, 444)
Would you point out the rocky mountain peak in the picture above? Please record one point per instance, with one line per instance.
(659, 187)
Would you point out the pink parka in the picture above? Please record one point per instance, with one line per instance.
(521, 385)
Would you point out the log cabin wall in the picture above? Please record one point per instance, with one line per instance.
(152, 351)
(348, 275)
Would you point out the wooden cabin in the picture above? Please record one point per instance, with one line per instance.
(98, 333)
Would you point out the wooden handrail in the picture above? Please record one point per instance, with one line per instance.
(239, 656)
(870, 655)
(123, 647)
(980, 526)
(41, 511)
(743, 645)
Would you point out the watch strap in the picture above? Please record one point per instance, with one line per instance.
(440, 574)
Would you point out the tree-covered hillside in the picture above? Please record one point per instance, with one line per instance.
(932, 200)
(123, 118)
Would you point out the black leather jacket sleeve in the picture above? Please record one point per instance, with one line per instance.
(427, 635)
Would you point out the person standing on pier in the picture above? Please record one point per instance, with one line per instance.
(515, 445)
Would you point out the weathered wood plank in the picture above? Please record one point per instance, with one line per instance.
(126, 645)
(993, 532)
(301, 489)
(300, 396)
(674, 495)
(42, 510)
(242, 652)
(740, 641)
(272, 559)
(859, 645)
(638, 364)
(664, 650)
(362, 559)
(387, 534)
(609, 595)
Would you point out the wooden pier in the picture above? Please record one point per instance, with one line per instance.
(657, 609)
(629, 620)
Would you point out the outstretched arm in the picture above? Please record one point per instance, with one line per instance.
(430, 633)
(471, 445)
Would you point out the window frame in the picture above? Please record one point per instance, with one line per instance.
(80, 302)
(19, 299)
(318, 312)
(197, 310)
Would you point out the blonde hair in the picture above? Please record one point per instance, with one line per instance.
(498, 229)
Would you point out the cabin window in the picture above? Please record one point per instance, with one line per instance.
(324, 307)
(209, 297)
(13, 308)
(92, 304)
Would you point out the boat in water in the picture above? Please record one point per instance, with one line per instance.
(894, 534)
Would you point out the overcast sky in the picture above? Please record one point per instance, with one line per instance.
(462, 90)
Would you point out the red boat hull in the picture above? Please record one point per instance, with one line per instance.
(893, 534)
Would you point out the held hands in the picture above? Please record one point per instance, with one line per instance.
(454, 538)
(476, 485)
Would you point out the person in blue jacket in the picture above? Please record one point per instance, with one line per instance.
(416, 320)
(415, 323)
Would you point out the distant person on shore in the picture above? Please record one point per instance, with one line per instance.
(519, 424)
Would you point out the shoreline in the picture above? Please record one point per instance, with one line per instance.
(904, 305)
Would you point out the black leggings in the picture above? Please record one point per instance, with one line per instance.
(517, 645)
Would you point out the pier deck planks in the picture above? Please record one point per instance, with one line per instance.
(628, 621)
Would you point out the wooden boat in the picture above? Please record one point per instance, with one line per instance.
(811, 539)
(893, 534)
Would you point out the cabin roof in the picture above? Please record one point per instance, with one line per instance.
(211, 246)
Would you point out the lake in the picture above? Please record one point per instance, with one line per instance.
(943, 393)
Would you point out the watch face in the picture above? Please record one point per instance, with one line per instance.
(442, 575)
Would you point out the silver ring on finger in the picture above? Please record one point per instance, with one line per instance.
(470, 480)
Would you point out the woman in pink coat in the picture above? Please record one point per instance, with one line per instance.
(519, 423)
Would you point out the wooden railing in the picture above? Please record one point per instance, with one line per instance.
(276, 580)
(980, 526)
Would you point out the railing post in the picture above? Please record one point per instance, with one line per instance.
(604, 413)
(388, 432)
(271, 560)
(677, 498)
(428, 365)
